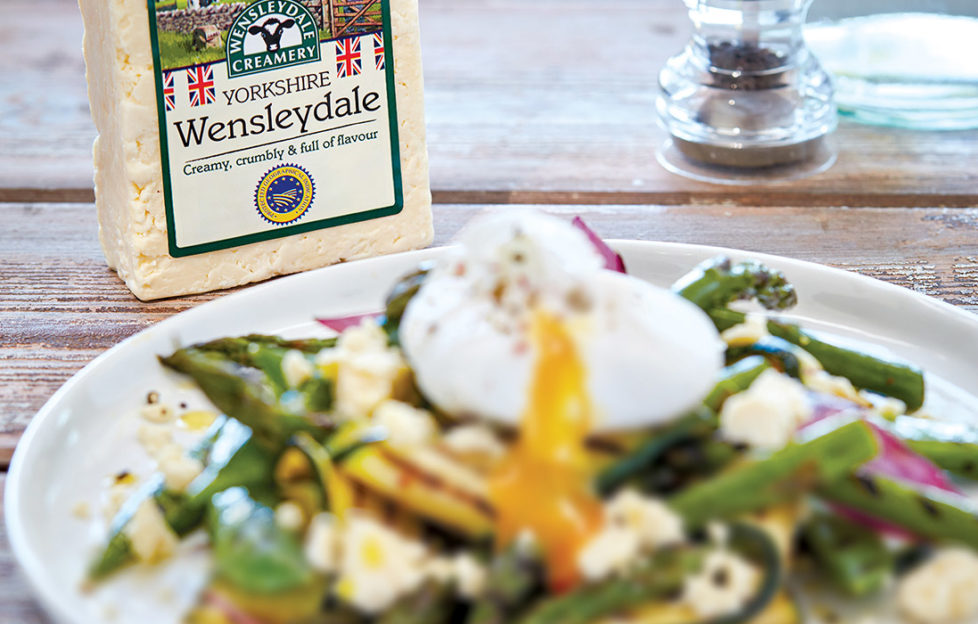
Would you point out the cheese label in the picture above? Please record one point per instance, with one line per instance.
(276, 117)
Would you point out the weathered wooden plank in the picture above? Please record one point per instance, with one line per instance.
(532, 102)
(17, 604)
(60, 306)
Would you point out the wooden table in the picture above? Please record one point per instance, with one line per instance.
(546, 103)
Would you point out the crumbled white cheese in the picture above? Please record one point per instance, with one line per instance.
(115, 497)
(767, 414)
(367, 369)
(477, 441)
(750, 331)
(157, 412)
(378, 566)
(609, 552)
(655, 523)
(722, 586)
(942, 590)
(463, 570)
(821, 381)
(154, 438)
(151, 537)
(321, 545)
(289, 516)
(406, 425)
(296, 368)
(177, 467)
(884, 406)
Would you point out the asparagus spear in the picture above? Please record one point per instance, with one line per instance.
(698, 425)
(399, 297)
(735, 378)
(786, 474)
(951, 445)
(715, 283)
(854, 557)
(516, 576)
(267, 353)
(433, 602)
(928, 512)
(660, 578)
(243, 393)
(779, 353)
(250, 550)
(231, 459)
(894, 379)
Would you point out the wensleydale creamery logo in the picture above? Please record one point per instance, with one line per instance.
(271, 34)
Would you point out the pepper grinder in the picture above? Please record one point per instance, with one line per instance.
(745, 100)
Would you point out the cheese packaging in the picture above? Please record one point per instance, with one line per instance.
(242, 140)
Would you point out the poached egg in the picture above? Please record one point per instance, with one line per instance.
(649, 354)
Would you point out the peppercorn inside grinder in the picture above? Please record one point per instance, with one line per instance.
(745, 100)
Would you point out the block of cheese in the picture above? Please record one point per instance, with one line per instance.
(284, 154)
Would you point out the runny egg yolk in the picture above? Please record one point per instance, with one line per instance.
(542, 485)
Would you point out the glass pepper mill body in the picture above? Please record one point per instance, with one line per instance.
(746, 100)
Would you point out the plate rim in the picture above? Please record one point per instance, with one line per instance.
(31, 565)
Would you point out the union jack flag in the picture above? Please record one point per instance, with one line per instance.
(348, 57)
(169, 93)
(379, 50)
(201, 85)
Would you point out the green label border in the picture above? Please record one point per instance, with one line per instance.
(290, 230)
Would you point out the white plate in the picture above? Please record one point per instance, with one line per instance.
(86, 432)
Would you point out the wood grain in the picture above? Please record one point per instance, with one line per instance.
(527, 102)
(60, 306)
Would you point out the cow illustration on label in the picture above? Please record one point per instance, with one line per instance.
(271, 31)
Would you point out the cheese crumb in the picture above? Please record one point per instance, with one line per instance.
(367, 369)
(178, 469)
(942, 590)
(378, 566)
(321, 546)
(296, 368)
(654, 522)
(463, 570)
(821, 381)
(151, 537)
(610, 552)
(474, 442)
(767, 414)
(406, 426)
(722, 586)
(750, 331)
(289, 516)
(157, 412)
(154, 438)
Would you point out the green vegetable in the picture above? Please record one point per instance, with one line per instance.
(951, 445)
(697, 425)
(230, 457)
(925, 511)
(780, 353)
(516, 577)
(853, 556)
(715, 283)
(734, 379)
(250, 550)
(399, 297)
(434, 602)
(893, 379)
(266, 354)
(785, 475)
(244, 393)
(659, 578)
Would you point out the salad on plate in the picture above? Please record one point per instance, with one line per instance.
(527, 434)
